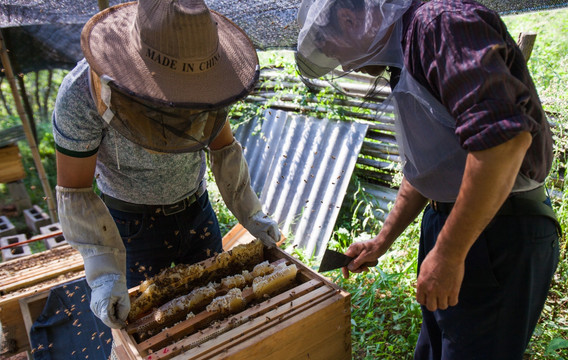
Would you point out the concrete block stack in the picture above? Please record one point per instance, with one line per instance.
(15, 252)
(6, 227)
(36, 218)
(54, 241)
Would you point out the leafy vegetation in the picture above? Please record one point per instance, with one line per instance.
(549, 68)
(385, 316)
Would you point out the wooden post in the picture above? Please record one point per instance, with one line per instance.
(526, 43)
(26, 105)
(27, 128)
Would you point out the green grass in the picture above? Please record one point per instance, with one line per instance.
(549, 68)
(385, 315)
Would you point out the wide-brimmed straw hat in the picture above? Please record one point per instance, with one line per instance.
(175, 52)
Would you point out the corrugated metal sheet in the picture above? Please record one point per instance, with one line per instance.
(301, 168)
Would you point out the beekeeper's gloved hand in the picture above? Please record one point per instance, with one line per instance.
(231, 174)
(264, 228)
(88, 226)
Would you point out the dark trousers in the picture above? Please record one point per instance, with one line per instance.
(508, 272)
(155, 241)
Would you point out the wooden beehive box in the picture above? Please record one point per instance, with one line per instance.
(11, 167)
(311, 319)
(24, 288)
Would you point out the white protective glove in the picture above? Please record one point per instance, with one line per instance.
(232, 176)
(88, 227)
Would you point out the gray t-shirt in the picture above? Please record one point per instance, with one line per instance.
(124, 170)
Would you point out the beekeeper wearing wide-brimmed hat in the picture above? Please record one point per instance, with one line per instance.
(137, 114)
(475, 147)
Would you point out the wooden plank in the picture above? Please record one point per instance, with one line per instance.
(35, 270)
(11, 167)
(32, 279)
(244, 341)
(320, 333)
(12, 330)
(42, 259)
(266, 323)
(213, 340)
(120, 352)
(325, 339)
(26, 273)
(189, 325)
(31, 308)
(126, 343)
(526, 43)
(178, 331)
(237, 235)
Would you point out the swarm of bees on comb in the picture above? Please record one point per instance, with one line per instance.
(222, 285)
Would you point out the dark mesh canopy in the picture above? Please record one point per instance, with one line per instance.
(44, 34)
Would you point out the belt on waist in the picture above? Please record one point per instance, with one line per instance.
(530, 202)
(170, 209)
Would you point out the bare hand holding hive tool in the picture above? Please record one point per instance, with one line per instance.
(334, 260)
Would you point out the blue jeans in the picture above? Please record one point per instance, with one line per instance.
(508, 272)
(154, 241)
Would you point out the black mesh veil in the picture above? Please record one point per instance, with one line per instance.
(166, 129)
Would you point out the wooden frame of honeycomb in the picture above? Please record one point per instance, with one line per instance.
(238, 313)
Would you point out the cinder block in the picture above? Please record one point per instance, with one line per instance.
(16, 251)
(6, 227)
(36, 218)
(54, 241)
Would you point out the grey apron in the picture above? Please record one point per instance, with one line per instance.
(432, 157)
